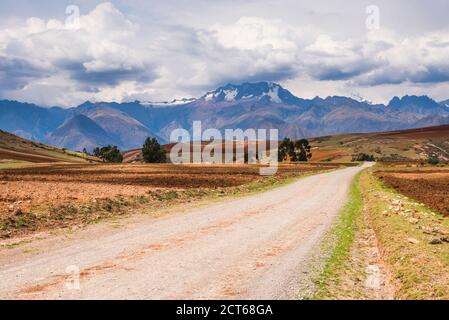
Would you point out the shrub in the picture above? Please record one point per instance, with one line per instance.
(296, 150)
(433, 160)
(363, 157)
(153, 152)
(109, 154)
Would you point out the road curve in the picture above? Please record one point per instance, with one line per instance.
(250, 248)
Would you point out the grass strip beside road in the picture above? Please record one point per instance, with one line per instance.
(406, 235)
(337, 244)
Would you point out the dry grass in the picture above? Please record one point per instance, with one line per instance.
(14, 148)
(393, 234)
(405, 229)
(415, 144)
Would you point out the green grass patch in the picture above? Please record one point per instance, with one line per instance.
(337, 243)
(13, 164)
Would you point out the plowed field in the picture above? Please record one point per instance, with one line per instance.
(429, 186)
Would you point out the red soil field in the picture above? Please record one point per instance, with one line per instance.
(60, 184)
(429, 186)
(437, 132)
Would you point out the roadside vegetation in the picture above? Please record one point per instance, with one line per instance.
(363, 157)
(337, 245)
(413, 239)
(394, 247)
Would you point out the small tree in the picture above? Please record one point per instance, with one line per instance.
(96, 152)
(297, 150)
(302, 150)
(153, 152)
(109, 154)
(113, 154)
(285, 149)
(433, 160)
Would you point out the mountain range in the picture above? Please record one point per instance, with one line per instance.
(248, 105)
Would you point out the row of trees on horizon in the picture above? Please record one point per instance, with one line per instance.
(154, 152)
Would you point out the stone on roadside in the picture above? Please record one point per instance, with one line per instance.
(436, 241)
(413, 220)
(413, 240)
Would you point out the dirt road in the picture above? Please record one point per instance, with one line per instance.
(252, 247)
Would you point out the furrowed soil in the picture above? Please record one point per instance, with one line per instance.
(60, 195)
(429, 186)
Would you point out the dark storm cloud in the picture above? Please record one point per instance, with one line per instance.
(107, 77)
(432, 74)
(419, 75)
(333, 73)
(17, 73)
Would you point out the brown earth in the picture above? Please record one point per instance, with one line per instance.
(429, 186)
(405, 145)
(328, 154)
(48, 194)
(420, 133)
(26, 156)
(132, 155)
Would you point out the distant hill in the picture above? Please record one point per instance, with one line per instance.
(248, 105)
(123, 130)
(422, 105)
(14, 148)
(412, 144)
(79, 132)
(28, 120)
(401, 145)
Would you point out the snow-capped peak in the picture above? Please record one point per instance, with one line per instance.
(174, 102)
(231, 92)
(273, 93)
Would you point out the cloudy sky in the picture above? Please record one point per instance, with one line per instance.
(63, 53)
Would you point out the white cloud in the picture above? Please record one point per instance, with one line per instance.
(92, 59)
(251, 33)
(113, 57)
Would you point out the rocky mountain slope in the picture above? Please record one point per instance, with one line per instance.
(248, 105)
